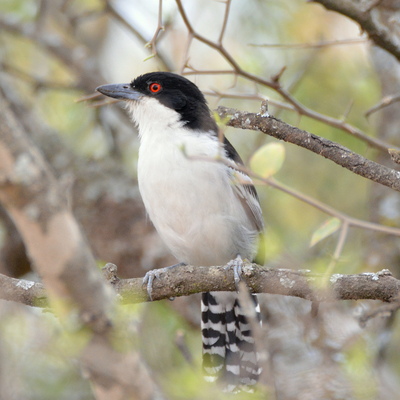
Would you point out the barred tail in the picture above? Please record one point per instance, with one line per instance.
(229, 353)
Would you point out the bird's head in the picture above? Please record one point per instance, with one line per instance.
(163, 97)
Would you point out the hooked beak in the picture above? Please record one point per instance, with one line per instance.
(121, 91)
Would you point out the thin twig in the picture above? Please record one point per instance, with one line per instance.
(160, 27)
(114, 13)
(88, 97)
(385, 102)
(339, 248)
(225, 21)
(384, 311)
(255, 96)
(300, 108)
(355, 222)
(322, 44)
(367, 21)
(37, 82)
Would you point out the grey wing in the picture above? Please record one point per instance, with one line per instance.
(243, 187)
(246, 192)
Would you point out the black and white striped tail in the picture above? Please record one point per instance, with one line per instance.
(229, 353)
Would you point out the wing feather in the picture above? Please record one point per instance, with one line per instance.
(244, 188)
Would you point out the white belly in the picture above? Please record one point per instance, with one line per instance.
(192, 204)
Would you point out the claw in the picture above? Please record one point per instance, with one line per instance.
(155, 273)
(148, 279)
(237, 265)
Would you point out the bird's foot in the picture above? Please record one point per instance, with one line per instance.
(236, 265)
(155, 273)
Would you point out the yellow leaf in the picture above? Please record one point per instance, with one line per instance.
(329, 227)
(268, 159)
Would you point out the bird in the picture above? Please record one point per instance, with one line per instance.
(203, 206)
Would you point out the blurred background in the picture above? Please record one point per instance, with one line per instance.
(54, 52)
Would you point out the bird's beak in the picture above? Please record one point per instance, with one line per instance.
(121, 91)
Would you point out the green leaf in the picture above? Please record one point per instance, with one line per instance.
(329, 227)
(268, 159)
(221, 122)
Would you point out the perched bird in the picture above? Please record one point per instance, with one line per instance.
(206, 211)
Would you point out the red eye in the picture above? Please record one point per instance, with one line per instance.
(155, 87)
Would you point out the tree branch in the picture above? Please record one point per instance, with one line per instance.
(186, 280)
(39, 208)
(23, 291)
(379, 33)
(319, 145)
(272, 83)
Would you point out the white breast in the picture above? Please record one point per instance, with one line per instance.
(189, 195)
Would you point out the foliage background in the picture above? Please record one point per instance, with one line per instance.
(54, 52)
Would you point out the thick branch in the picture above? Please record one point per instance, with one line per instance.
(39, 207)
(23, 291)
(186, 280)
(319, 145)
(379, 33)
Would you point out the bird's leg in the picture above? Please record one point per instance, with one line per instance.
(155, 273)
(237, 265)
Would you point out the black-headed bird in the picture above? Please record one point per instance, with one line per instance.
(205, 209)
